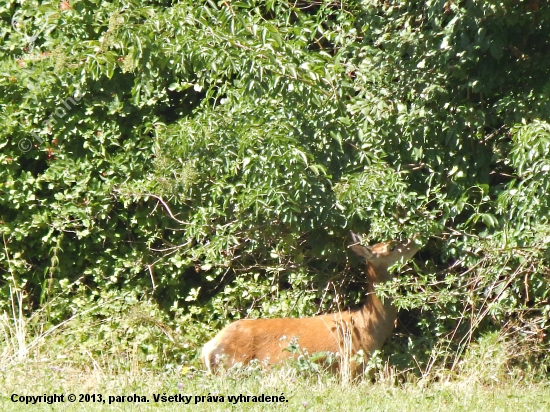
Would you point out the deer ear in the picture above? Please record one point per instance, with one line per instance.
(362, 251)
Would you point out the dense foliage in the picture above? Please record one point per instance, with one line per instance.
(213, 156)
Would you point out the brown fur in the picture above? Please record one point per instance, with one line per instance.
(369, 327)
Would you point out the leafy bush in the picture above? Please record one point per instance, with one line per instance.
(214, 155)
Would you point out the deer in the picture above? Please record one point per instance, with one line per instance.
(366, 328)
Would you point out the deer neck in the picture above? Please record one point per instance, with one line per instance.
(377, 317)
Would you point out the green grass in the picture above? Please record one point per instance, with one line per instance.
(311, 393)
(119, 356)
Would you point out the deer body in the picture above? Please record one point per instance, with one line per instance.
(366, 328)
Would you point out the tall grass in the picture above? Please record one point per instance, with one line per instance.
(13, 323)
